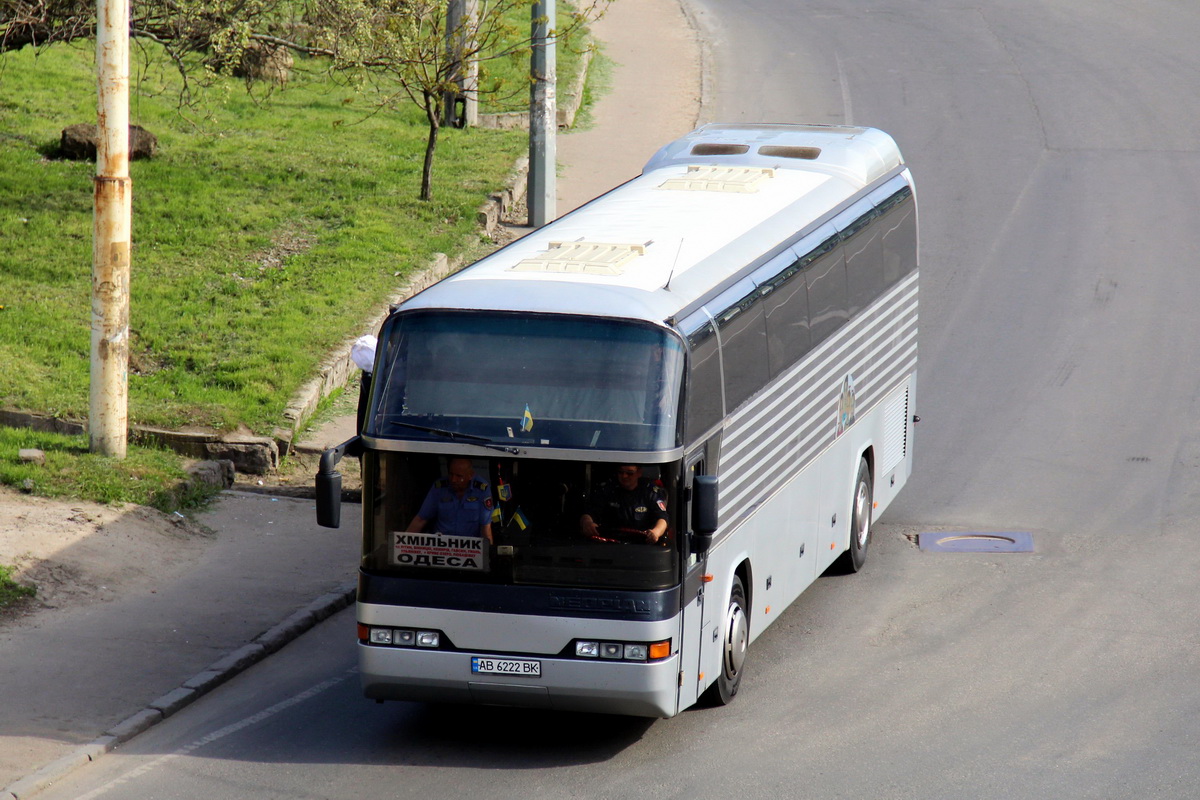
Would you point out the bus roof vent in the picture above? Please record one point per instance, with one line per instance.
(718, 149)
(789, 151)
(720, 179)
(583, 258)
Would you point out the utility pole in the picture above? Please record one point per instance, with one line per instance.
(460, 108)
(543, 117)
(108, 422)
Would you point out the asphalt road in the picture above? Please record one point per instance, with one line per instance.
(1054, 145)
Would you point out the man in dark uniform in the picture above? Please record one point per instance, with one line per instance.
(458, 504)
(632, 503)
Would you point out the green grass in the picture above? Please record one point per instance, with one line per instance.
(147, 476)
(12, 592)
(263, 235)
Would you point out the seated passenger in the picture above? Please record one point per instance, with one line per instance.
(631, 503)
(458, 504)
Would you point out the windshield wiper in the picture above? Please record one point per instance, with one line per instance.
(469, 437)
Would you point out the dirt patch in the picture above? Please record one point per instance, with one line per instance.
(76, 553)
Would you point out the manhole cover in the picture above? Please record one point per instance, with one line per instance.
(976, 542)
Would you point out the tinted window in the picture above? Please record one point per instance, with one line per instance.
(535, 524)
(860, 244)
(705, 406)
(740, 320)
(826, 277)
(898, 229)
(785, 305)
(534, 380)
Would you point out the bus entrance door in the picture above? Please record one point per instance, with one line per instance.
(694, 629)
(692, 634)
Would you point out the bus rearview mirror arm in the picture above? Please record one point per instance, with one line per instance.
(705, 489)
(329, 482)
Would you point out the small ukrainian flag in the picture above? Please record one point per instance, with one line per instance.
(496, 515)
(527, 420)
(519, 518)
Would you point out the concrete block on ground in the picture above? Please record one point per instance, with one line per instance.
(174, 700)
(139, 722)
(206, 681)
(279, 635)
(239, 659)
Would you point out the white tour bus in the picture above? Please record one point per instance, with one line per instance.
(738, 326)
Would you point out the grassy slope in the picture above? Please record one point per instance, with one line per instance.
(263, 234)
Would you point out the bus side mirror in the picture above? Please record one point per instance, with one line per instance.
(329, 483)
(329, 499)
(704, 511)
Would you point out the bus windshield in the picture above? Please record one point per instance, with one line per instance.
(418, 523)
(528, 379)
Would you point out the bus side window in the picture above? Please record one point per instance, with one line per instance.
(898, 228)
(860, 244)
(785, 304)
(743, 329)
(826, 276)
(705, 393)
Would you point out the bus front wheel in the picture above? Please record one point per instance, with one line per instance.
(860, 519)
(733, 650)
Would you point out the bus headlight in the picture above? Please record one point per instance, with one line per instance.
(399, 637)
(623, 651)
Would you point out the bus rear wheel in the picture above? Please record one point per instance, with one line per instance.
(860, 519)
(733, 650)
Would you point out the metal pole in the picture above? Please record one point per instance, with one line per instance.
(543, 117)
(109, 414)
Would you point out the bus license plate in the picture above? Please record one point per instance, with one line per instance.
(506, 666)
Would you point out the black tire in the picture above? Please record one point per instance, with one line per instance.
(861, 505)
(733, 648)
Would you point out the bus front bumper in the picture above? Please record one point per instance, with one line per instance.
(608, 687)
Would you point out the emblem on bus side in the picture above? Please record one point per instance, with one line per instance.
(845, 414)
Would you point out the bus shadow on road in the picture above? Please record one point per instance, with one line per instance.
(488, 736)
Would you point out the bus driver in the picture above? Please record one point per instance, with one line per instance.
(458, 504)
(631, 503)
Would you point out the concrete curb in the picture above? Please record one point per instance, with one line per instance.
(215, 674)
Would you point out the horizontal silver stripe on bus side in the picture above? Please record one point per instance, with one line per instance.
(796, 455)
(827, 359)
(759, 457)
(885, 332)
(746, 469)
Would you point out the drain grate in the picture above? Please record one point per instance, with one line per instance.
(1006, 542)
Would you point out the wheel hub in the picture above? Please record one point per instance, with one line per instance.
(735, 640)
